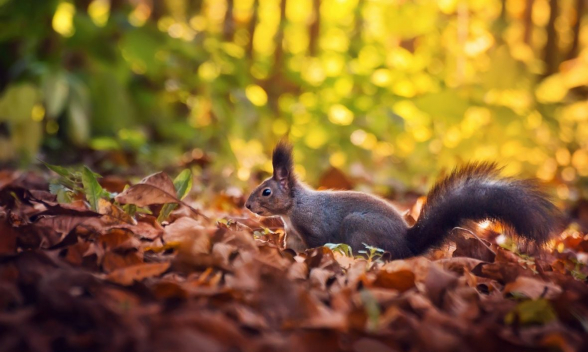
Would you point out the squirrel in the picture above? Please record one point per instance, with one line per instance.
(473, 192)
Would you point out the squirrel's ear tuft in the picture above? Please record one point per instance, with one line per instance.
(283, 164)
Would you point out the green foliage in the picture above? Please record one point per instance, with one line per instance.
(64, 194)
(342, 248)
(69, 181)
(528, 312)
(403, 88)
(92, 188)
(74, 181)
(183, 185)
(372, 254)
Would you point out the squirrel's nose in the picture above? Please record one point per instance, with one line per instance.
(248, 206)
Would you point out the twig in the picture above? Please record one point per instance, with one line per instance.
(195, 211)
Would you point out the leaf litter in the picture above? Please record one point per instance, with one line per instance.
(142, 270)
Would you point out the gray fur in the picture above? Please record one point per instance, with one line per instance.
(474, 192)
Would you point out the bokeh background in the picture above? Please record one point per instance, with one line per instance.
(383, 90)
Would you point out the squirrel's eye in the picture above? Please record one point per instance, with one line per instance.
(266, 192)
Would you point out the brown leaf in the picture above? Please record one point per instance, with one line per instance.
(438, 281)
(7, 238)
(503, 272)
(126, 276)
(143, 195)
(459, 265)
(169, 289)
(191, 233)
(113, 260)
(112, 214)
(472, 248)
(155, 189)
(118, 238)
(533, 288)
(401, 280)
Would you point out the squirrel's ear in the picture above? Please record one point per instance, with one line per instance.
(283, 164)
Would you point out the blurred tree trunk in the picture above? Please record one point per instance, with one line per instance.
(315, 27)
(194, 6)
(229, 22)
(580, 8)
(550, 53)
(279, 39)
(277, 81)
(503, 11)
(252, 26)
(528, 22)
(158, 10)
(356, 42)
(117, 5)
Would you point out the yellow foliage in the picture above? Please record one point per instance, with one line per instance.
(256, 95)
(99, 11)
(382, 77)
(208, 71)
(38, 112)
(563, 156)
(63, 19)
(280, 127)
(551, 90)
(316, 137)
(338, 159)
(340, 115)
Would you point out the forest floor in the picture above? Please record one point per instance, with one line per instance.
(81, 272)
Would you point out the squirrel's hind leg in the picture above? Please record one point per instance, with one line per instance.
(375, 230)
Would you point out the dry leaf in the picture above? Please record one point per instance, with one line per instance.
(126, 276)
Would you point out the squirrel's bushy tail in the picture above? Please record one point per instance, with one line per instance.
(477, 192)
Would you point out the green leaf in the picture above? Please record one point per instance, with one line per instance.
(182, 185)
(60, 170)
(92, 188)
(578, 275)
(130, 209)
(532, 312)
(342, 248)
(64, 194)
(56, 92)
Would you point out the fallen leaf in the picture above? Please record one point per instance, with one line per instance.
(401, 280)
(533, 288)
(155, 189)
(128, 275)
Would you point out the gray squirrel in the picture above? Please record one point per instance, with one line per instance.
(475, 192)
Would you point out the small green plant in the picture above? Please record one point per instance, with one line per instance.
(83, 181)
(531, 312)
(342, 248)
(373, 254)
(72, 181)
(182, 185)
